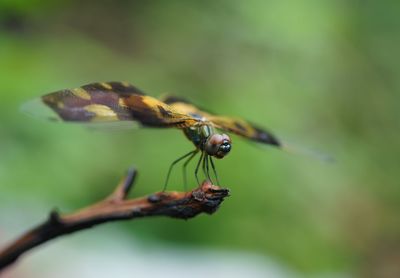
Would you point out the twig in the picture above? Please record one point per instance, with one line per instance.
(182, 205)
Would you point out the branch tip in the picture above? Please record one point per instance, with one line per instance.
(123, 188)
(129, 180)
(54, 218)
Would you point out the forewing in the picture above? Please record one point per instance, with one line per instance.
(184, 106)
(114, 102)
(237, 126)
(245, 129)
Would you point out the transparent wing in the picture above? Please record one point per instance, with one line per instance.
(308, 152)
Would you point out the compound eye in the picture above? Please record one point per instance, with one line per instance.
(216, 139)
(218, 145)
(224, 148)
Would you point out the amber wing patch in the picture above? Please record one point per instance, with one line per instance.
(184, 106)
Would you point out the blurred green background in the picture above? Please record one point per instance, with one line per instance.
(323, 74)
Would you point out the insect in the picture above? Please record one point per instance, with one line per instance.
(121, 101)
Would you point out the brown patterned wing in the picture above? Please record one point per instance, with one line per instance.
(184, 106)
(237, 126)
(245, 129)
(113, 102)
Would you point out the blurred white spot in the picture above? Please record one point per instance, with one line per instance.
(89, 255)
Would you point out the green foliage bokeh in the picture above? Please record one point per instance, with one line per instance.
(322, 74)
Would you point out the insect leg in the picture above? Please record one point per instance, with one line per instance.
(173, 164)
(197, 167)
(204, 165)
(214, 170)
(184, 168)
(208, 168)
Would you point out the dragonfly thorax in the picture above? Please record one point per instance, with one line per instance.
(206, 139)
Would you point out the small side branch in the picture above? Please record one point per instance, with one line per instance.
(184, 205)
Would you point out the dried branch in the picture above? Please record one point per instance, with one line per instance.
(182, 205)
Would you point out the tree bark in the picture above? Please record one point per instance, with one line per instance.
(184, 205)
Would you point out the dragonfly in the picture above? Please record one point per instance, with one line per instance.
(113, 102)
